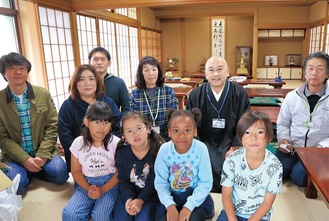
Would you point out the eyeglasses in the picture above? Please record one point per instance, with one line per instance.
(137, 130)
(14, 69)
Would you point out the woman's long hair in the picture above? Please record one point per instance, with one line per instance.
(73, 88)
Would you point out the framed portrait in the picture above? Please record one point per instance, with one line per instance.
(293, 60)
(271, 60)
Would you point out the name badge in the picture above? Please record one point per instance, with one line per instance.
(156, 129)
(218, 123)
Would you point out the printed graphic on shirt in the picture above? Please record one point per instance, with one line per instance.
(183, 173)
(241, 183)
(257, 179)
(251, 185)
(96, 162)
(140, 180)
(239, 205)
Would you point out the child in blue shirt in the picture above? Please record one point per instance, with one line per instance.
(183, 177)
(135, 156)
(252, 175)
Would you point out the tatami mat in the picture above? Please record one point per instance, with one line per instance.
(45, 201)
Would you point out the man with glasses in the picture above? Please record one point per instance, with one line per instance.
(115, 87)
(303, 120)
(28, 127)
(222, 103)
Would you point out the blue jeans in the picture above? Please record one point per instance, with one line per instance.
(292, 168)
(198, 214)
(81, 207)
(223, 217)
(203, 212)
(54, 171)
(147, 212)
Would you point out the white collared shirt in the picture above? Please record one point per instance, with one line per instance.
(217, 95)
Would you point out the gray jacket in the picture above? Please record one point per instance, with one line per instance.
(298, 126)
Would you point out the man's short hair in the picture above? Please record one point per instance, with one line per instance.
(12, 59)
(99, 49)
(318, 54)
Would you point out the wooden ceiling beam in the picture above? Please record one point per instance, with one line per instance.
(79, 5)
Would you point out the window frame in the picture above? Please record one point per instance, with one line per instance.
(13, 13)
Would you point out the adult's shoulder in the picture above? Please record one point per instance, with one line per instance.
(136, 91)
(110, 102)
(68, 101)
(35, 87)
(3, 92)
(167, 88)
(75, 104)
(296, 92)
(105, 99)
(40, 90)
(66, 104)
(237, 87)
(118, 79)
(198, 90)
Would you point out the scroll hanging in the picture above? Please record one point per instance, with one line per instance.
(218, 37)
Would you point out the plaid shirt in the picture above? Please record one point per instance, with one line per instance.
(167, 100)
(23, 107)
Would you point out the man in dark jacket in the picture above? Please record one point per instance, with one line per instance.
(222, 103)
(115, 87)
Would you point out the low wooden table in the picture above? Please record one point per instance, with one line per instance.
(182, 95)
(267, 92)
(262, 81)
(198, 74)
(316, 164)
(271, 111)
(193, 82)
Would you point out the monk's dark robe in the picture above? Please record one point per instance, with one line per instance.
(219, 140)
